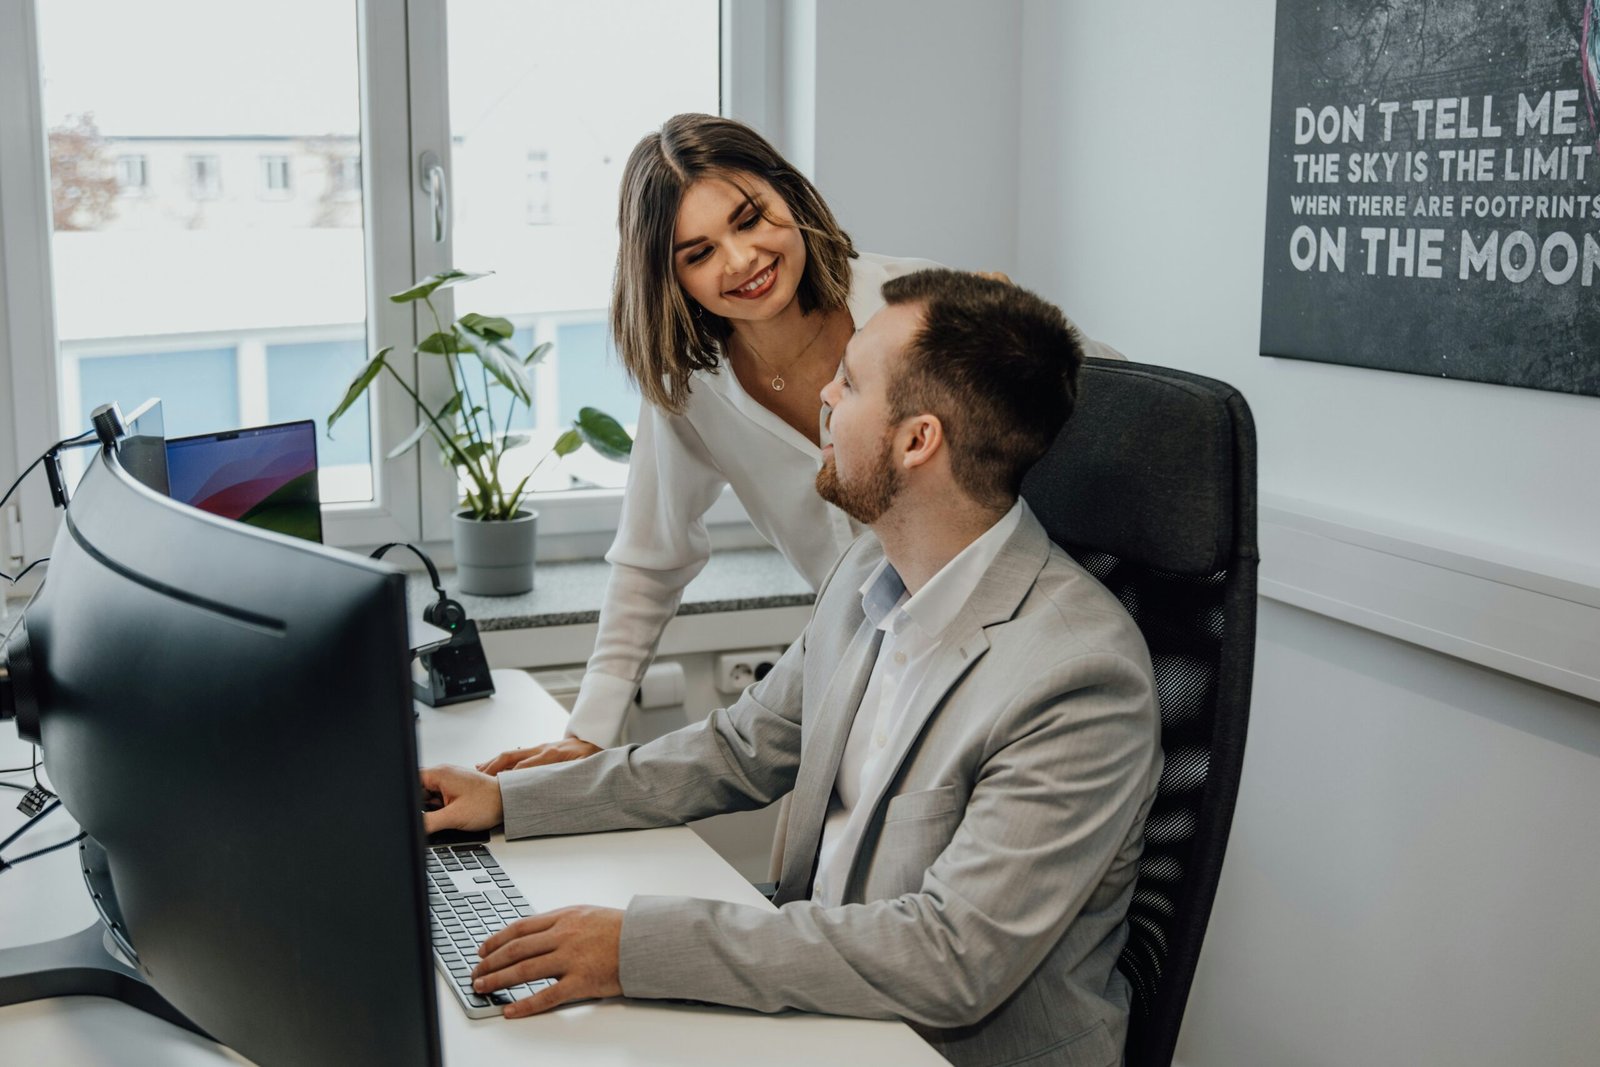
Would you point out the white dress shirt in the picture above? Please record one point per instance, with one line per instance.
(913, 626)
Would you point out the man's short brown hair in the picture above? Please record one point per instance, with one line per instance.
(996, 364)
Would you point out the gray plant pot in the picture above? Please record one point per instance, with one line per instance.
(495, 558)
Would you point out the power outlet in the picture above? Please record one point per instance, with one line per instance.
(736, 671)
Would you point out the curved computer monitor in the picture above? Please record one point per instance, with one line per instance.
(227, 713)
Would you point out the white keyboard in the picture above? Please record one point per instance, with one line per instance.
(469, 898)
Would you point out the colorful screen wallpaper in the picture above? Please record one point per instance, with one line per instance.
(266, 477)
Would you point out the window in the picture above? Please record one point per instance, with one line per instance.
(558, 169)
(239, 312)
(347, 176)
(205, 178)
(132, 174)
(538, 187)
(275, 175)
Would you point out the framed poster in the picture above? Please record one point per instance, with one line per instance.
(1433, 196)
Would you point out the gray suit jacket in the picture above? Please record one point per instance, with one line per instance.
(987, 899)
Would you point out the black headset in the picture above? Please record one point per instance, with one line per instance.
(444, 613)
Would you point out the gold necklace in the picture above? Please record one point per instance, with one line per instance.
(777, 378)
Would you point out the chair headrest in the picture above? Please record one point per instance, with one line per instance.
(1145, 468)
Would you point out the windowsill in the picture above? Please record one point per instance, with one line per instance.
(569, 594)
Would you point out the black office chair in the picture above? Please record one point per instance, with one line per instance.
(1152, 488)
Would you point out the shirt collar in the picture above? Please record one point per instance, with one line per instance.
(881, 593)
(935, 605)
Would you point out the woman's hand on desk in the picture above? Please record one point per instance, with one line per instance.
(578, 947)
(568, 748)
(471, 800)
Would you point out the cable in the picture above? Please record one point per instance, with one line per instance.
(15, 578)
(6, 864)
(48, 452)
(25, 827)
(14, 785)
(33, 767)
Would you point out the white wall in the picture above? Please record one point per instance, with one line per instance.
(913, 133)
(1411, 877)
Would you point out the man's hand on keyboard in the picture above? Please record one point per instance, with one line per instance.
(568, 748)
(578, 947)
(471, 799)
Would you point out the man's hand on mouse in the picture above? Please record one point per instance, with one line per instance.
(471, 799)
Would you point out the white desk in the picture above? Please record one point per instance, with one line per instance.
(44, 899)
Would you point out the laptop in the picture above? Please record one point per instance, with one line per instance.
(265, 476)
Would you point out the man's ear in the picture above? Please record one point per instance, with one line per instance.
(921, 439)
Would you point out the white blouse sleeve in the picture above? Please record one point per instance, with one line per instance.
(661, 545)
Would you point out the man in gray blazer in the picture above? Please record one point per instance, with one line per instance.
(967, 724)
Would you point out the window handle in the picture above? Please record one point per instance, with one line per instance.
(431, 171)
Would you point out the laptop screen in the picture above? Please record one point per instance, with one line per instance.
(265, 476)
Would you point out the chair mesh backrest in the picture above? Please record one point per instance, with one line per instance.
(1151, 487)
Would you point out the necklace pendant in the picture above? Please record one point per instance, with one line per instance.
(777, 383)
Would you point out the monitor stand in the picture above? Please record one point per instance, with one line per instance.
(80, 964)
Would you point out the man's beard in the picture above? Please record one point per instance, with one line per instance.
(867, 498)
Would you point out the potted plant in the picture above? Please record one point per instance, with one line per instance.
(493, 532)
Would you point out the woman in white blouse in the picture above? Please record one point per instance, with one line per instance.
(735, 293)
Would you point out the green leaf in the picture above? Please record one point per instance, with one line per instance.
(488, 327)
(370, 370)
(568, 443)
(444, 344)
(538, 354)
(516, 496)
(604, 434)
(513, 440)
(423, 426)
(509, 373)
(443, 280)
(476, 451)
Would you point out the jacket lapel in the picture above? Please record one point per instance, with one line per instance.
(819, 762)
(996, 599)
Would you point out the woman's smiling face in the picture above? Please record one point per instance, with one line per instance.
(735, 248)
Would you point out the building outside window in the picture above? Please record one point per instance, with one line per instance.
(205, 177)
